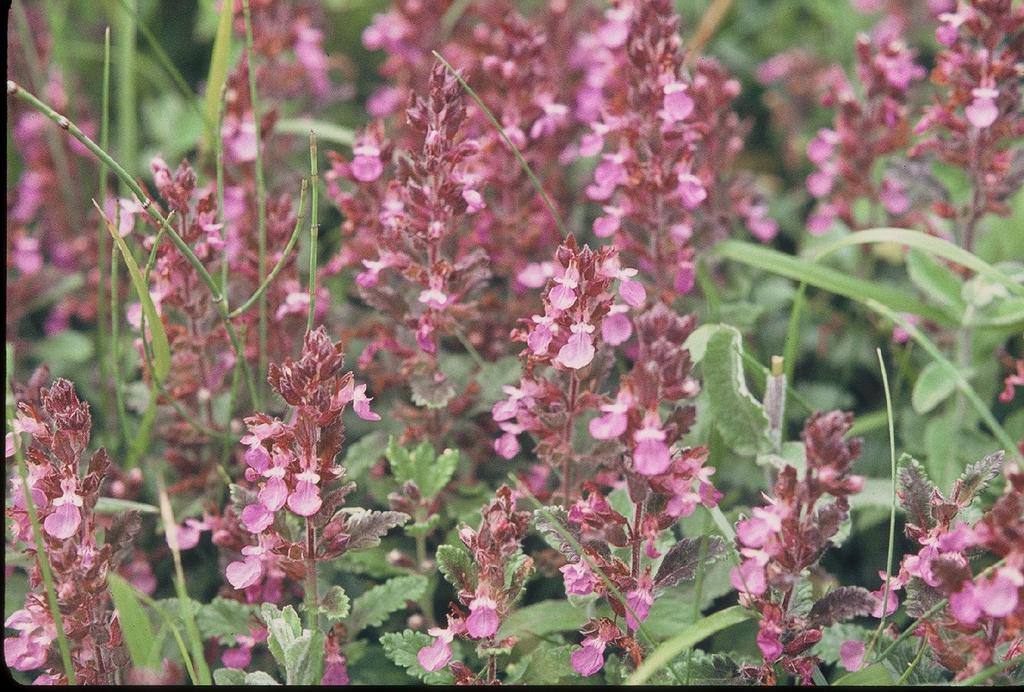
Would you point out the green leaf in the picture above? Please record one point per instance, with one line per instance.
(442, 472)
(219, 57)
(325, 131)
(875, 674)
(738, 416)
(936, 280)
(336, 604)
(402, 647)
(135, 624)
(161, 347)
(373, 607)
(364, 453)
(545, 665)
(493, 376)
(933, 386)
(687, 638)
(283, 628)
(457, 566)
(224, 618)
(422, 466)
(258, 677)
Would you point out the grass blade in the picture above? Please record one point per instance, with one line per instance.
(137, 629)
(314, 228)
(926, 243)
(216, 77)
(694, 634)
(325, 131)
(831, 280)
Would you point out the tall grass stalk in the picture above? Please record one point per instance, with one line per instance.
(314, 227)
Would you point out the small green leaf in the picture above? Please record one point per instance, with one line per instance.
(228, 676)
(543, 618)
(738, 416)
(258, 677)
(138, 631)
(304, 659)
(933, 386)
(336, 604)
(225, 619)
(443, 469)
(115, 505)
(936, 280)
(374, 606)
(545, 665)
(283, 628)
(422, 466)
(364, 453)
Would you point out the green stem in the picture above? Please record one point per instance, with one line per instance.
(281, 262)
(127, 106)
(102, 306)
(314, 228)
(219, 143)
(312, 596)
(261, 197)
(37, 533)
(913, 664)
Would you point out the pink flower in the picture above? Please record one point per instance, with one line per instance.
(65, 520)
(983, 111)
(851, 653)
(256, 518)
(639, 600)
(474, 201)
(819, 183)
(361, 403)
(305, 499)
(507, 446)
(676, 103)
(483, 617)
(632, 291)
(36, 632)
(242, 574)
(686, 277)
(691, 190)
(578, 578)
(894, 196)
(768, 640)
(606, 226)
(366, 164)
(749, 577)
(563, 294)
(578, 351)
(756, 531)
(616, 327)
(189, 533)
(650, 454)
(535, 274)
(589, 658)
(821, 148)
(607, 176)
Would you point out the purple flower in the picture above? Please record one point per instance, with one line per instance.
(483, 617)
(578, 578)
(983, 111)
(589, 658)
(851, 653)
(650, 454)
(578, 351)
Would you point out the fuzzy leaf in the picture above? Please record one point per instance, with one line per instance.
(364, 452)
(258, 677)
(336, 604)
(374, 606)
(738, 416)
(976, 477)
(429, 471)
(224, 618)
(428, 392)
(457, 566)
(366, 527)
(874, 675)
(915, 493)
(283, 628)
(543, 618)
(680, 562)
(920, 597)
(553, 524)
(842, 604)
(304, 659)
(402, 647)
(545, 665)
(228, 676)
(936, 280)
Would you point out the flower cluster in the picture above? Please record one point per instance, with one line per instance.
(488, 588)
(789, 535)
(65, 500)
(985, 611)
(292, 464)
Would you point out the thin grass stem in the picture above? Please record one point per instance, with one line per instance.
(314, 227)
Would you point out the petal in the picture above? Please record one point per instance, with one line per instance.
(242, 574)
(651, 457)
(256, 518)
(589, 658)
(577, 352)
(633, 292)
(274, 494)
(482, 622)
(63, 522)
(305, 499)
(436, 656)
(608, 426)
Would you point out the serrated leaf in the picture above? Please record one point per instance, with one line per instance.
(680, 562)
(402, 648)
(441, 473)
(364, 453)
(553, 525)
(739, 417)
(366, 527)
(933, 386)
(915, 493)
(374, 606)
(135, 624)
(336, 604)
(545, 665)
(224, 618)
(429, 471)
(455, 563)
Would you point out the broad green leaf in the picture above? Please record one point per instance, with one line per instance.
(283, 628)
(336, 604)
(687, 638)
(441, 472)
(161, 347)
(402, 647)
(936, 280)
(933, 386)
(422, 466)
(543, 618)
(831, 280)
(455, 563)
(228, 676)
(875, 674)
(493, 376)
(545, 665)
(374, 606)
(258, 677)
(135, 624)
(738, 416)
(364, 453)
